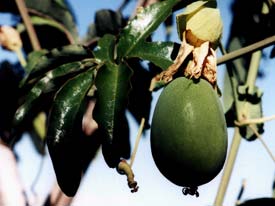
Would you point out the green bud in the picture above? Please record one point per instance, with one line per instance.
(202, 22)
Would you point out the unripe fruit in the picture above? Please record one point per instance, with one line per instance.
(188, 133)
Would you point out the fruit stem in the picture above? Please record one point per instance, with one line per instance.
(21, 57)
(137, 141)
(228, 167)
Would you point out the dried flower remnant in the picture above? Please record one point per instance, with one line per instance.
(10, 38)
(200, 29)
(191, 191)
(210, 67)
(195, 66)
(124, 168)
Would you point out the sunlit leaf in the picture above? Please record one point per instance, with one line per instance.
(146, 21)
(50, 83)
(61, 140)
(105, 49)
(113, 84)
(33, 58)
(158, 53)
(55, 58)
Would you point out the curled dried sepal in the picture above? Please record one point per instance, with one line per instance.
(190, 191)
(124, 168)
(202, 64)
(10, 38)
(210, 67)
(167, 75)
(195, 66)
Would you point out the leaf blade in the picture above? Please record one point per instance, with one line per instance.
(61, 140)
(143, 25)
(105, 48)
(159, 53)
(112, 84)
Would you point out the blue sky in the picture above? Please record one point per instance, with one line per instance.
(103, 186)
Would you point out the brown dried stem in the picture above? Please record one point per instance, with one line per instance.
(27, 21)
(125, 168)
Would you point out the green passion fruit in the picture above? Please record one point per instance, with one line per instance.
(188, 133)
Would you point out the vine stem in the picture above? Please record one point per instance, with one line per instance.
(240, 110)
(27, 21)
(254, 121)
(263, 142)
(245, 50)
(228, 167)
(137, 141)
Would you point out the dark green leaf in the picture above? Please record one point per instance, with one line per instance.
(145, 22)
(158, 53)
(33, 58)
(61, 140)
(105, 48)
(113, 84)
(46, 28)
(108, 22)
(86, 147)
(51, 82)
(55, 58)
(89, 144)
(140, 97)
(65, 106)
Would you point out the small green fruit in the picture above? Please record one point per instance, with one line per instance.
(188, 133)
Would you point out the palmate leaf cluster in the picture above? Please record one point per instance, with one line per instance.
(65, 76)
(106, 67)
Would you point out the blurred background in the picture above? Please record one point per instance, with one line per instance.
(103, 186)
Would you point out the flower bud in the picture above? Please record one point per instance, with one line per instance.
(202, 22)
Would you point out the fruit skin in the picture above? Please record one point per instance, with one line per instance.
(188, 133)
